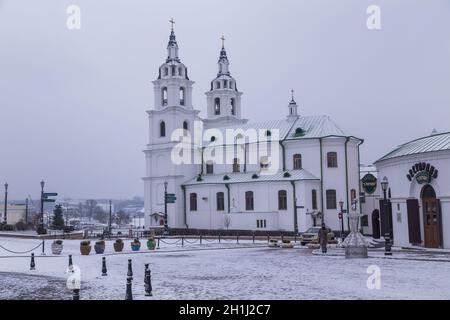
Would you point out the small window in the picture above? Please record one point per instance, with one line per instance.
(314, 199)
(268, 133)
(249, 204)
(218, 85)
(225, 83)
(282, 200)
(182, 96)
(193, 201)
(162, 129)
(185, 127)
(352, 194)
(209, 168)
(220, 196)
(174, 71)
(236, 166)
(331, 199)
(231, 84)
(164, 96)
(180, 71)
(297, 161)
(217, 106)
(166, 71)
(332, 160)
(213, 138)
(233, 107)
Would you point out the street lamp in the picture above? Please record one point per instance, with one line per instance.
(341, 217)
(42, 203)
(110, 213)
(166, 227)
(387, 234)
(5, 219)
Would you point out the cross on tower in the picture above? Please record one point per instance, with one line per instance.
(223, 41)
(172, 22)
(292, 92)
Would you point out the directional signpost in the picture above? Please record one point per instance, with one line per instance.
(168, 198)
(44, 198)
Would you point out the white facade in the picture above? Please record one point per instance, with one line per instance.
(240, 194)
(415, 170)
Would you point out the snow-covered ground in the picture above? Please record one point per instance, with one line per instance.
(222, 271)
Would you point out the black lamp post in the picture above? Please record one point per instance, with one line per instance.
(5, 219)
(341, 217)
(110, 213)
(387, 234)
(166, 227)
(42, 203)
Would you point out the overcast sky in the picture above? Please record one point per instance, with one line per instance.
(73, 102)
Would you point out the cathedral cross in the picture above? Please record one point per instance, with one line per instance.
(172, 22)
(223, 41)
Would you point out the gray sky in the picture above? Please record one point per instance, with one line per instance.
(72, 103)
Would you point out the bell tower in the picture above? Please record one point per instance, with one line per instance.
(293, 108)
(223, 99)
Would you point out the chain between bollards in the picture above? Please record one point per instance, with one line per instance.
(104, 270)
(32, 264)
(129, 293)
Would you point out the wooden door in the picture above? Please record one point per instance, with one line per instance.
(431, 223)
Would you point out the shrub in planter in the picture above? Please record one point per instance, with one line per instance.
(68, 229)
(57, 246)
(135, 245)
(41, 230)
(99, 247)
(118, 245)
(85, 247)
(151, 243)
(21, 226)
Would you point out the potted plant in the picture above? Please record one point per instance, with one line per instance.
(151, 244)
(99, 246)
(273, 243)
(286, 244)
(118, 245)
(85, 247)
(57, 246)
(135, 245)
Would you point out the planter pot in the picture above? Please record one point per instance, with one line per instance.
(151, 244)
(288, 245)
(99, 248)
(273, 243)
(85, 250)
(57, 248)
(135, 246)
(118, 247)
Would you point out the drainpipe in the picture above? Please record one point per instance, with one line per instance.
(321, 180)
(201, 170)
(295, 207)
(283, 154)
(245, 158)
(346, 181)
(184, 206)
(228, 195)
(359, 181)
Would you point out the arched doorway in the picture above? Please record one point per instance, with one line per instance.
(376, 224)
(431, 218)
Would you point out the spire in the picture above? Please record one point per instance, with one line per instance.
(172, 46)
(293, 112)
(223, 59)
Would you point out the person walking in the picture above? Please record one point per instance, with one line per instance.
(323, 238)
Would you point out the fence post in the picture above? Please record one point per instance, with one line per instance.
(43, 247)
(200, 239)
(237, 238)
(32, 264)
(268, 238)
(219, 237)
(253, 238)
(70, 263)
(295, 238)
(158, 243)
(104, 271)
(182, 241)
(130, 270)
(129, 293)
(282, 237)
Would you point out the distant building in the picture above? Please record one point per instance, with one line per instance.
(15, 213)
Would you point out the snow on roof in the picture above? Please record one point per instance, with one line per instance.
(437, 142)
(311, 127)
(293, 175)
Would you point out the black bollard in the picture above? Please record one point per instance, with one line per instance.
(253, 238)
(158, 244)
(182, 241)
(268, 238)
(148, 282)
(43, 247)
(129, 293)
(70, 263)
(76, 294)
(130, 270)
(104, 271)
(32, 264)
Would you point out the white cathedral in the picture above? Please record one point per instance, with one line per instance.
(310, 167)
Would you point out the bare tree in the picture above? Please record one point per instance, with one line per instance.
(227, 220)
(90, 206)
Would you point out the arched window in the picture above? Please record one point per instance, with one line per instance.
(220, 197)
(233, 107)
(185, 128)
(332, 160)
(297, 161)
(217, 106)
(352, 194)
(314, 199)
(180, 71)
(162, 129)
(217, 84)
(282, 200)
(331, 199)
(225, 83)
(213, 138)
(236, 166)
(174, 71)
(249, 205)
(231, 84)
(209, 167)
(166, 71)
(182, 96)
(164, 96)
(193, 202)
